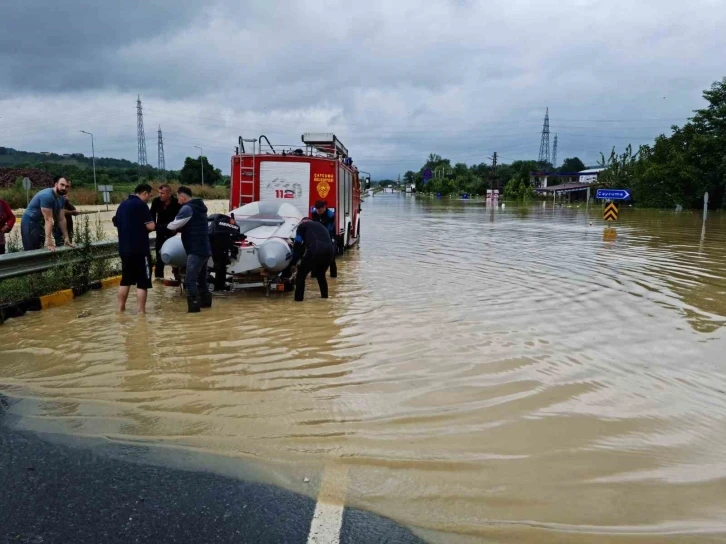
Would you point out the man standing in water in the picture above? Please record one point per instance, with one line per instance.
(43, 212)
(322, 214)
(134, 223)
(192, 222)
(314, 239)
(164, 209)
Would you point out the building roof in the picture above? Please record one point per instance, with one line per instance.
(554, 174)
(591, 171)
(564, 188)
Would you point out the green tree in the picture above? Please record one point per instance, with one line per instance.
(707, 145)
(679, 168)
(573, 164)
(191, 173)
(519, 188)
(619, 169)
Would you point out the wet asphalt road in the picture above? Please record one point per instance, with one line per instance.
(53, 493)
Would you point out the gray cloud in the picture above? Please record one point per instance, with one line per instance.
(395, 80)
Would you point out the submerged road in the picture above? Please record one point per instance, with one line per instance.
(54, 493)
(477, 375)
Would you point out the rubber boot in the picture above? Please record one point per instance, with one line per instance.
(206, 300)
(193, 305)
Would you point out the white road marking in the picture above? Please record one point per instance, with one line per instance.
(328, 516)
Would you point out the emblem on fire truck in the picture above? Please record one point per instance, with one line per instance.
(323, 189)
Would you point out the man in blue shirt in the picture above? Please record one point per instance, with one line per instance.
(44, 210)
(134, 223)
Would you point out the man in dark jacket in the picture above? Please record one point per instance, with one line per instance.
(164, 209)
(314, 240)
(192, 222)
(322, 214)
(70, 211)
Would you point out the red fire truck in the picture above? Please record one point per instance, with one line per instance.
(322, 170)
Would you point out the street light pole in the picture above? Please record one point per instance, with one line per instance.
(93, 150)
(201, 161)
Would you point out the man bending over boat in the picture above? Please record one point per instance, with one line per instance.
(322, 214)
(313, 239)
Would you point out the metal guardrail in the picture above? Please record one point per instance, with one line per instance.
(22, 263)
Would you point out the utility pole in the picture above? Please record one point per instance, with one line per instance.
(544, 146)
(201, 160)
(93, 151)
(140, 133)
(162, 162)
(494, 158)
(554, 153)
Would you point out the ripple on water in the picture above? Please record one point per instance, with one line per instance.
(481, 373)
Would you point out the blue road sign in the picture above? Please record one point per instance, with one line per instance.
(613, 194)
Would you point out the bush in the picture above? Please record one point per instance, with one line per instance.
(71, 275)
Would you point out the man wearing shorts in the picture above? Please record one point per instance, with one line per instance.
(134, 223)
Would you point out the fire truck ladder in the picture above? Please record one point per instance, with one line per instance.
(247, 174)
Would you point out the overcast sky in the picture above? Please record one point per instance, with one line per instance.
(394, 80)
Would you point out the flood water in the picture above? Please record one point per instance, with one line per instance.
(484, 377)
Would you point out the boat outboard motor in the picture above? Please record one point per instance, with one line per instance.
(223, 233)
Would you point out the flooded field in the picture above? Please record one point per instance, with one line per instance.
(482, 377)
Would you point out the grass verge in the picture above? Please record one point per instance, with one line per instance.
(78, 275)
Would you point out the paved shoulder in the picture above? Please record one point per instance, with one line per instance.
(361, 527)
(54, 493)
(58, 494)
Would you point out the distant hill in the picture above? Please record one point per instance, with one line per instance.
(10, 157)
(41, 167)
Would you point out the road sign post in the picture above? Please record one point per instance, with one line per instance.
(705, 215)
(26, 186)
(705, 206)
(106, 190)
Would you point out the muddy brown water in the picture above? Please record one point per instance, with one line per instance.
(484, 377)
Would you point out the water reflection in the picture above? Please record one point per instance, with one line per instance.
(497, 374)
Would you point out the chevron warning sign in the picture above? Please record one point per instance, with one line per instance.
(610, 213)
